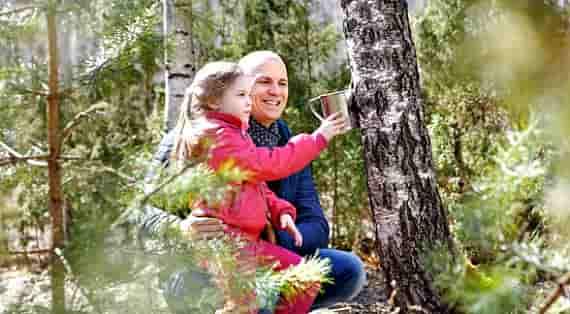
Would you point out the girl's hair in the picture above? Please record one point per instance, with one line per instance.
(207, 88)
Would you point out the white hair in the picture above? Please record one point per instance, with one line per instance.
(254, 59)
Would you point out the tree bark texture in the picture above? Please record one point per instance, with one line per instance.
(179, 56)
(54, 167)
(386, 104)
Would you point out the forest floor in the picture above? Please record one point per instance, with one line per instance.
(24, 291)
(371, 300)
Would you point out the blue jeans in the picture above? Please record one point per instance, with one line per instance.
(348, 277)
(347, 273)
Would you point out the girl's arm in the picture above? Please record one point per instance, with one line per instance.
(277, 207)
(266, 164)
(282, 215)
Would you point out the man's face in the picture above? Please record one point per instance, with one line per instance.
(270, 92)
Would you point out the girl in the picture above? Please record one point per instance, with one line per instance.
(218, 102)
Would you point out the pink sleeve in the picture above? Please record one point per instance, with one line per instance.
(277, 207)
(267, 164)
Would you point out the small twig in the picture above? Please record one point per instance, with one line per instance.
(563, 281)
(77, 119)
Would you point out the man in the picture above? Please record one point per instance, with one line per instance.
(269, 98)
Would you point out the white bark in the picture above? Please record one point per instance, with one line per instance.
(179, 60)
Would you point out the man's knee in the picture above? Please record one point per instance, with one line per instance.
(348, 274)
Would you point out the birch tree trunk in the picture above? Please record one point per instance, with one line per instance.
(178, 56)
(54, 167)
(387, 106)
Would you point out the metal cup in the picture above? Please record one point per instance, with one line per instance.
(331, 103)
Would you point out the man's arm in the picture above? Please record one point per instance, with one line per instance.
(311, 220)
(154, 222)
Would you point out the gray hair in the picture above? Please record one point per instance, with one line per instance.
(254, 59)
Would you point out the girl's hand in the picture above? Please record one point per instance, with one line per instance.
(333, 125)
(288, 225)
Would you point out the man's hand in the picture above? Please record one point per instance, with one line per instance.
(199, 226)
(288, 225)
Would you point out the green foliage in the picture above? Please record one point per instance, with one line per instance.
(491, 290)
(494, 149)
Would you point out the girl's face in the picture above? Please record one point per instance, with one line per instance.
(236, 99)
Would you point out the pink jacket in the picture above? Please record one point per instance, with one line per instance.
(245, 213)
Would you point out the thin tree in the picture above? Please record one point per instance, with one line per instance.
(54, 166)
(409, 217)
(178, 56)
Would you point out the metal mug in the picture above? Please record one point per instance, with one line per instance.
(332, 103)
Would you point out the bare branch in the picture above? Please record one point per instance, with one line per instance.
(17, 157)
(10, 150)
(19, 10)
(32, 160)
(562, 282)
(78, 118)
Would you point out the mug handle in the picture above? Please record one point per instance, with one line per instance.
(312, 107)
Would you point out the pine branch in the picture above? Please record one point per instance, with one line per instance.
(562, 282)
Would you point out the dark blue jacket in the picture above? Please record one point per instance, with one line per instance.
(299, 189)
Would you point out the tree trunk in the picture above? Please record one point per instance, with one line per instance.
(386, 104)
(179, 63)
(54, 167)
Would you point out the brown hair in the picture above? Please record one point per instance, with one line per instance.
(208, 87)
